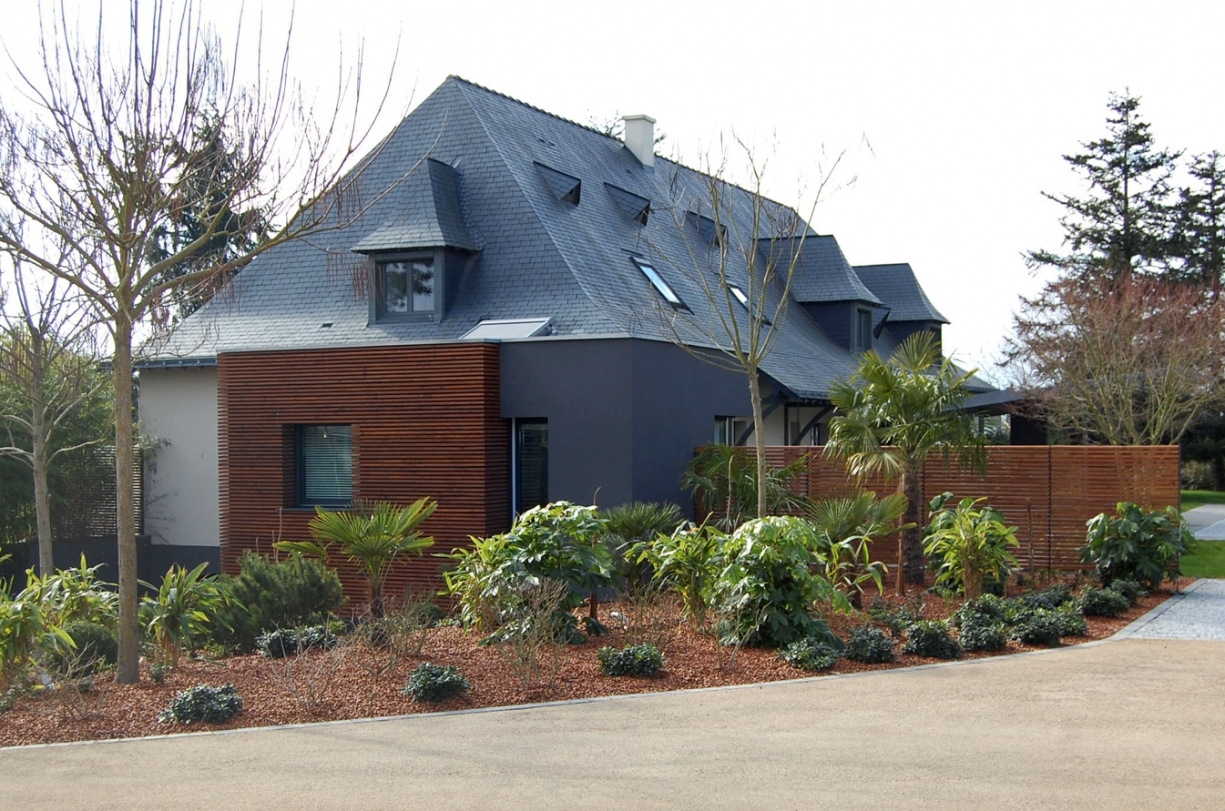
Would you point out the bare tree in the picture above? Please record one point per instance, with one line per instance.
(49, 368)
(741, 251)
(112, 151)
(1131, 364)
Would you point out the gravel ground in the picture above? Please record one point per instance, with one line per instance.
(1198, 613)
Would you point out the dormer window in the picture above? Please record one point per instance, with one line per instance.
(408, 287)
(863, 329)
(661, 287)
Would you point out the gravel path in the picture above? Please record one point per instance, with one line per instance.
(1198, 613)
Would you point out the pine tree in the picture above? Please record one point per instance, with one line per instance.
(1199, 241)
(1123, 225)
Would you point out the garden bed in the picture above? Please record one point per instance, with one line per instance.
(341, 684)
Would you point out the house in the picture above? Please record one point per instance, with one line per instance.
(492, 332)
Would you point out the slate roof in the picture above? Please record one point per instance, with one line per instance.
(493, 184)
(900, 291)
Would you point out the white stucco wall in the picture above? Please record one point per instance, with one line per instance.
(178, 407)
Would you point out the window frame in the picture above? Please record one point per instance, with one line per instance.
(378, 297)
(862, 313)
(299, 472)
(742, 297)
(666, 291)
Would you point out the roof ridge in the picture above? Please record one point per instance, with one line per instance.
(523, 103)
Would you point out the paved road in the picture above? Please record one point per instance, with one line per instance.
(1136, 723)
(1207, 522)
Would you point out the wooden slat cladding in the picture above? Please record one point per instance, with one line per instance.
(425, 421)
(1047, 492)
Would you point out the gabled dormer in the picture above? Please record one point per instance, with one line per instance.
(827, 287)
(415, 262)
(907, 308)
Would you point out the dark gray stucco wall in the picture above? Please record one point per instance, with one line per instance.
(624, 414)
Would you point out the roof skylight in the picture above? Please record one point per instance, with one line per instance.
(662, 287)
(744, 300)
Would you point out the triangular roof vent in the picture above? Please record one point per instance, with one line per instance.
(635, 207)
(565, 187)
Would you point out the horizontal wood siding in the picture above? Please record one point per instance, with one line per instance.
(1047, 492)
(425, 422)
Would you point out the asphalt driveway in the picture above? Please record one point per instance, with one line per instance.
(1135, 723)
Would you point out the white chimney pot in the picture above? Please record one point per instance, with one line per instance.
(640, 138)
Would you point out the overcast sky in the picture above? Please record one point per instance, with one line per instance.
(953, 115)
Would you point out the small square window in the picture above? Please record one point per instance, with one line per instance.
(323, 465)
(661, 287)
(408, 286)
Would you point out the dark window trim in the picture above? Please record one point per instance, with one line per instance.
(666, 291)
(377, 313)
(299, 468)
(856, 318)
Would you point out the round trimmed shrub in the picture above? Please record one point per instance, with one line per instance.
(632, 660)
(809, 654)
(1129, 589)
(1071, 620)
(869, 645)
(1038, 627)
(202, 704)
(931, 638)
(982, 635)
(1048, 598)
(1095, 602)
(985, 610)
(431, 682)
(282, 642)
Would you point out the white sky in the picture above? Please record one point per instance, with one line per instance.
(967, 106)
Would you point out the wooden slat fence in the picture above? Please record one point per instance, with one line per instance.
(1047, 492)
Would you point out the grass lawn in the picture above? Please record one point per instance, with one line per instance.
(1198, 498)
(1207, 560)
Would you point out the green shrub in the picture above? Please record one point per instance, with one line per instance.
(629, 524)
(896, 620)
(687, 562)
(177, 617)
(1039, 627)
(202, 704)
(96, 647)
(869, 645)
(1129, 589)
(1135, 544)
(845, 528)
(632, 660)
(931, 638)
(723, 480)
(969, 543)
(1048, 598)
(282, 642)
(1095, 602)
(268, 594)
(985, 610)
(810, 654)
(68, 595)
(431, 682)
(978, 635)
(1071, 620)
(767, 586)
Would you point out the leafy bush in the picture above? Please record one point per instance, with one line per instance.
(1095, 602)
(931, 638)
(1129, 589)
(68, 595)
(96, 647)
(810, 654)
(282, 642)
(431, 682)
(1039, 627)
(557, 542)
(1048, 598)
(269, 594)
(179, 615)
(897, 620)
(985, 610)
(26, 633)
(977, 634)
(632, 660)
(202, 704)
(869, 645)
(370, 535)
(1135, 544)
(970, 543)
(629, 524)
(1071, 620)
(767, 583)
(723, 480)
(687, 561)
(845, 527)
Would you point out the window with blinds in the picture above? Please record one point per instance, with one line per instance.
(325, 465)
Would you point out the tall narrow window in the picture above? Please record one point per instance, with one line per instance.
(324, 465)
(657, 281)
(863, 330)
(531, 438)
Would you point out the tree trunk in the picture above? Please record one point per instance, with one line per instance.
(911, 552)
(759, 441)
(128, 666)
(38, 457)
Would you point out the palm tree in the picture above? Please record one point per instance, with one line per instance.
(895, 412)
(370, 535)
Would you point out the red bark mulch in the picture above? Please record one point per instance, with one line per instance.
(342, 685)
